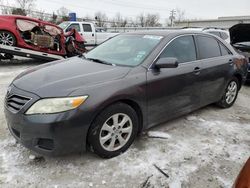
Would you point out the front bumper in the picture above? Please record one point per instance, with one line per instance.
(51, 134)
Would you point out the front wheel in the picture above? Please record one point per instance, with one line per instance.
(114, 130)
(230, 94)
(7, 38)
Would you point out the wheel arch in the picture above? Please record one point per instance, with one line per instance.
(240, 78)
(132, 103)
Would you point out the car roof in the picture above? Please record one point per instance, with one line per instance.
(164, 33)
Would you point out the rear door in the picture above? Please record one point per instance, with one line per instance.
(174, 91)
(88, 34)
(216, 65)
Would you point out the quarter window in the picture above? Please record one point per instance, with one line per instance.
(208, 47)
(224, 35)
(182, 48)
(224, 50)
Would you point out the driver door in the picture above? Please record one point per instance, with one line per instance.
(174, 91)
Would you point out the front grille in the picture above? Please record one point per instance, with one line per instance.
(16, 102)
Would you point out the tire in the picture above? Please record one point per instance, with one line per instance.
(230, 94)
(109, 139)
(7, 38)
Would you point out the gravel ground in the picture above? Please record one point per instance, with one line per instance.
(204, 149)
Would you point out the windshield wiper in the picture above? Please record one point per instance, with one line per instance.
(100, 61)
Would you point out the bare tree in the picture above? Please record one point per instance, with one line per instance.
(119, 21)
(101, 19)
(152, 20)
(25, 4)
(63, 13)
(5, 7)
(141, 20)
(19, 11)
(180, 14)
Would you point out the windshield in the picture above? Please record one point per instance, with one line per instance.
(127, 50)
(63, 25)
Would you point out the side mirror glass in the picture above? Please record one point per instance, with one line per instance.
(167, 62)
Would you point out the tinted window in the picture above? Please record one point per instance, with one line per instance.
(74, 26)
(224, 50)
(87, 28)
(182, 48)
(208, 47)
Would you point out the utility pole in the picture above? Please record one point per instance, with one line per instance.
(172, 17)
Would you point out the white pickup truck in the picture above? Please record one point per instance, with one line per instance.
(92, 35)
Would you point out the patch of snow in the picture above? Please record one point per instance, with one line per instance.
(157, 134)
(175, 184)
(91, 184)
(191, 118)
(32, 157)
(226, 183)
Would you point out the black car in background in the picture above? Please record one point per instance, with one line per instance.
(240, 40)
(127, 84)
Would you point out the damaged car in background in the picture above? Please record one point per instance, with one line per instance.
(240, 40)
(37, 35)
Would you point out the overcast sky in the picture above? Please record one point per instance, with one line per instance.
(204, 9)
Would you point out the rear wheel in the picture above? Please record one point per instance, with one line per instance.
(230, 94)
(114, 130)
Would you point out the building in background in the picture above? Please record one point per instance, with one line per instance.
(221, 22)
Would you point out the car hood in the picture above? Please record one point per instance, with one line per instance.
(240, 33)
(60, 78)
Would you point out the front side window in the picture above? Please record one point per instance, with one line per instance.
(182, 48)
(74, 26)
(128, 50)
(208, 47)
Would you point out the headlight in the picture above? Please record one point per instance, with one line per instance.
(55, 105)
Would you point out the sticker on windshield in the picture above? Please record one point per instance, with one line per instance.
(154, 37)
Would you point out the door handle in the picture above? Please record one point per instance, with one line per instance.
(231, 62)
(197, 70)
(93, 34)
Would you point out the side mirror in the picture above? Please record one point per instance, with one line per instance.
(167, 62)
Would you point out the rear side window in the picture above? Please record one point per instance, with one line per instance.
(74, 26)
(182, 48)
(87, 28)
(208, 47)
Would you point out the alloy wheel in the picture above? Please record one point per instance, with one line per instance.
(7, 38)
(116, 132)
(231, 92)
